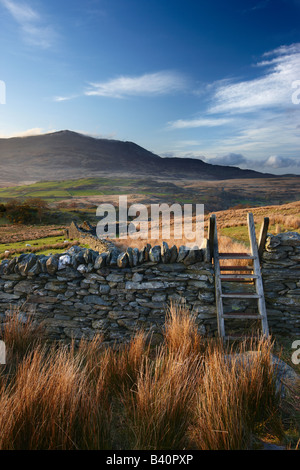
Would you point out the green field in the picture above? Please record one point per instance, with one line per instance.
(53, 190)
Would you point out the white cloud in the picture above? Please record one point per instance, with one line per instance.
(193, 123)
(35, 32)
(59, 99)
(277, 161)
(231, 159)
(262, 118)
(158, 83)
(272, 89)
(27, 133)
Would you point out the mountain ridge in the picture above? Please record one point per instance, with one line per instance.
(67, 154)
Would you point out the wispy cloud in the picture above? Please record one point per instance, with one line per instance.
(150, 84)
(27, 133)
(33, 27)
(272, 89)
(259, 6)
(59, 99)
(260, 116)
(202, 122)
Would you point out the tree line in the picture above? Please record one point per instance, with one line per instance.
(31, 210)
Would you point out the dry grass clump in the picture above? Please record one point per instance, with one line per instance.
(52, 404)
(237, 398)
(21, 335)
(160, 406)
(185, 394)
(181, 332)
(289, 221)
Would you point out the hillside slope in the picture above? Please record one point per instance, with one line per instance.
(65, 154)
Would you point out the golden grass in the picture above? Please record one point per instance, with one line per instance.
(285, 214)
(185, 394)
(237, 398)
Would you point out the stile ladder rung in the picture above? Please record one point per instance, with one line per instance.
(234, 316)
(235, 256)
(238, 277)
(236, 268)
(235, 338)
(240, 295)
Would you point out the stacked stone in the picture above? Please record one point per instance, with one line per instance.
(281, 278)
(86, 234)
(81, 292)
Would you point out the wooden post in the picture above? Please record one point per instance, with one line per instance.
(218, 286)
(211, 234)
(257, 271)
(263, 236)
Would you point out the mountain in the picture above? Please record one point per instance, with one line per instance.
(66, 154)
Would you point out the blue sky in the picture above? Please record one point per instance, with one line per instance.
(217, 80)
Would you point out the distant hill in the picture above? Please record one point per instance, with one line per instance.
(66, 154)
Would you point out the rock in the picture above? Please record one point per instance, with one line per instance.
(137, 277)
(90, 256)
(56, 286)
(74, 250)
(130, 256)
(95, 299)
(10, 266)
(159, 297)
(182, 253)
(52, 265)
(82, 268)
(193, 256)
(289, 238)
(104, 289)
(63, 261)
(173, 254)
(26, 263)
(135, 256)
(24, 287)
(4, 297)
(79, 333)
(155, 254)
(122, 260)
(100, 324)
(142, 255)
(166, 253)
(144, 285)
(115, 278)
(100, 261)
(114, 254)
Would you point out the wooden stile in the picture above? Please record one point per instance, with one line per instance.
(253, 276)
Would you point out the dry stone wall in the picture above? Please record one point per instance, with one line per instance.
(83, 292)
(281, 279)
